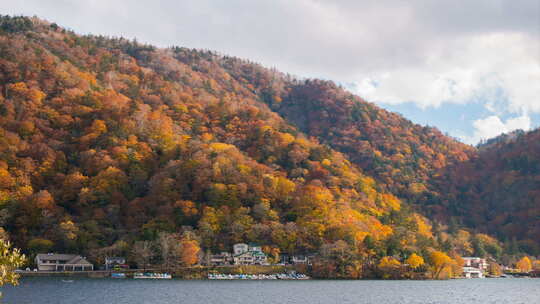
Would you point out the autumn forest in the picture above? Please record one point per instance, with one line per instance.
(109, 145)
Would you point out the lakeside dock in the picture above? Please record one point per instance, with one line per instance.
(279, 276)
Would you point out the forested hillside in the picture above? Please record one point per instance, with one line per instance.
(402, 155)
(451, 182)
(498, 191)
(106, 141)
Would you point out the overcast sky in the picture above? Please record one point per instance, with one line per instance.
(471, 67)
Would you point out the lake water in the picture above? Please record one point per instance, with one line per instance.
(119, 291)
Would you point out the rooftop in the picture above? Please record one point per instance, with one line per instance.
(68, 258)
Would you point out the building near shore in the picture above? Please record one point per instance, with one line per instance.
(251, 254)
(472, 273)
(476, 262)
(475, 267)
(221, 259)
(240, 248)
(62, 262)
(298, 259)
(115, 262)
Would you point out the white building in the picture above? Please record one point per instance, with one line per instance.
(474, 267)
(249, 255)
(472, 272)
(476, 262)
(112, 262)
(255, 248)
(240, 248)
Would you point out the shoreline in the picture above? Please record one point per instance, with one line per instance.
(102, 274)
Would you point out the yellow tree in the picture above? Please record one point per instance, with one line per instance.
(10, 259)
(415, 261)
(439, 261)
(69, 229)
(190, 252)
(272, 252)
(424, 229)
(315, 205)
(389, 267)
(524, 265)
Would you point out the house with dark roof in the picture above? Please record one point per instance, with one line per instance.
(62, 262)
(224, 258)
(296, 259)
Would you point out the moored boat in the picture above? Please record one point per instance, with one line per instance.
(118, 275)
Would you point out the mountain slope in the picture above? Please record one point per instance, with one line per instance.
(402, 155)
(417, 164)
(105, 140)
(498, 191)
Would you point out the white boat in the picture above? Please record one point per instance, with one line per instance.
(152, 275)
(118, 275)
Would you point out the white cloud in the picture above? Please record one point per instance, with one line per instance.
(495, 69)
(493, 126)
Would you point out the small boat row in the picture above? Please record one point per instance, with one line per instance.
(278, 276)
(142, 275)
(152, 275)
